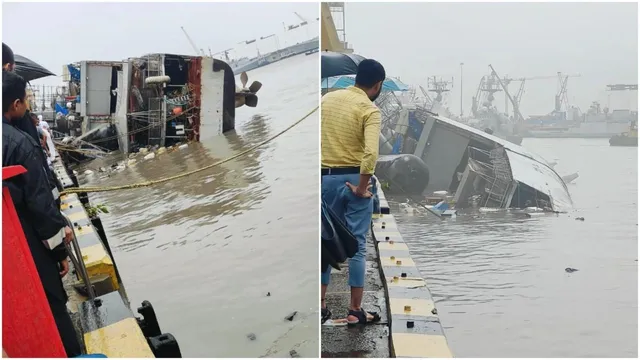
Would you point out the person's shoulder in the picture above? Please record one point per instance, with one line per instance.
(332, 95)
(17, 138)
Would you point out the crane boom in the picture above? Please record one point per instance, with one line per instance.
(304, 21)
(516, 109)
(193, 45)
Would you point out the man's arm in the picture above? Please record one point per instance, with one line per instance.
(47, 219)
(371, 148)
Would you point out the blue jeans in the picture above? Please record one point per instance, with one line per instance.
(356, 214)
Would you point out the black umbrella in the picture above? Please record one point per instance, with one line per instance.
(336, 64)
(30, 70)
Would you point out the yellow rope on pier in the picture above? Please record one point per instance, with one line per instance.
(92, 189)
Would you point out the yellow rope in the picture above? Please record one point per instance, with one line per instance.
(92, 189)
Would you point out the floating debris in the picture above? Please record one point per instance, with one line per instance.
(291, 316)
(251, 336)
(269, 294)
(294, 354)
(580, 218)
(570, 270)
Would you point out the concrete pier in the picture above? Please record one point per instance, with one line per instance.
(410, 326)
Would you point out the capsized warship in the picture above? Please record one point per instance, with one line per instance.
(478, 168)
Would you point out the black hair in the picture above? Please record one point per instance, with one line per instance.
(370, 72)
(7, 55)
(13, 88)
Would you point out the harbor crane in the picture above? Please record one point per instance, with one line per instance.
(304, 21)
(516, 109)
(193, 45)
(518, 97)
(561, 96)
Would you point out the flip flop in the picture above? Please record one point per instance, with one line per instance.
(362, 317)
(326, 315)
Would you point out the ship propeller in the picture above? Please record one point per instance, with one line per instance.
(247, 96)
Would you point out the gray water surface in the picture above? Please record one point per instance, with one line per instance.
(500, 282)
(206, 249)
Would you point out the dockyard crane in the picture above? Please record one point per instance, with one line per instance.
(518, 97)
(561, 96)
(304, 21)
(518, 118)
(193, 45)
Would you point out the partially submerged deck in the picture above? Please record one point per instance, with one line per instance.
(394, 287)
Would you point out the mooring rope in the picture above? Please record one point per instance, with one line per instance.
(92, 189)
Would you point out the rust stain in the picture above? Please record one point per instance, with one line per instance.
(195, 88)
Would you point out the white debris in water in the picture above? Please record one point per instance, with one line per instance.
(88, 172)
(144, 151)
(183, 146)
(131, 162)
(149, 156)
(75, 173)
(441, 192)
(162, 150)
(406, 208)
(487, 209)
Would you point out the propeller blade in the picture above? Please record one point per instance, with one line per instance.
(244, 78)
(251, 100)
(240, 100)
(255, 86)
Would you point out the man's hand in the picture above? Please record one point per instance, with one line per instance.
(68, 235)
(65, 267)
(359, 191)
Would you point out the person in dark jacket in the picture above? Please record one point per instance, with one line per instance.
(25, 123)
(39, 216)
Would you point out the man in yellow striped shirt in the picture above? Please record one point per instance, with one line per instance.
(350, 130)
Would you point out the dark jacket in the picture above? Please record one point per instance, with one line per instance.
(31, 194)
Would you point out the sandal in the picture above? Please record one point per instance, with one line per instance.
(326, 315)
(362, 317)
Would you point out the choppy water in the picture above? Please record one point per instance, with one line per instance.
(206, 249)
(499, 281)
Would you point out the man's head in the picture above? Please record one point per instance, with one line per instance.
(370, 77)
(8, 60)
(14, 95)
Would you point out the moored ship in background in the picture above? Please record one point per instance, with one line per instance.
(597, 122)
(245, 64)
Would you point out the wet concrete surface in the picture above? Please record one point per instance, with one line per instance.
(206, 249)
(369, 341)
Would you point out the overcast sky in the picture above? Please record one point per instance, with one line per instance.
(54, 34)
(416, 40)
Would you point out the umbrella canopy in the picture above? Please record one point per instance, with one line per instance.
(341, 82)
(30, 70)
(336, 64)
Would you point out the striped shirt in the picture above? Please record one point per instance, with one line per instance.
(350, 130)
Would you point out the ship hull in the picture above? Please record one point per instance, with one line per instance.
(622, 140)
(584, 131)
(278, 55)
